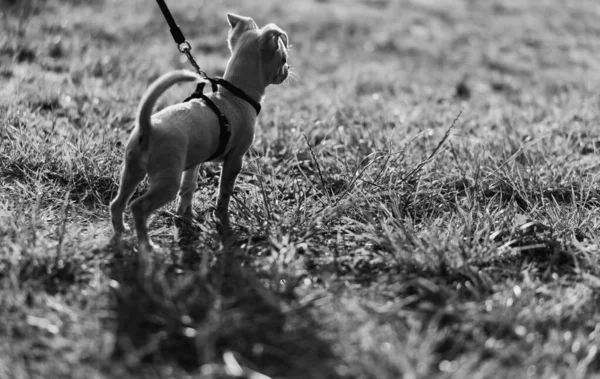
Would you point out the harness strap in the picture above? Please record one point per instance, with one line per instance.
(223, 122)
(236, 91)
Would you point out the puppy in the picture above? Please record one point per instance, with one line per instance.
(170, 145)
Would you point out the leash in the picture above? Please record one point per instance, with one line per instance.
(183, 45)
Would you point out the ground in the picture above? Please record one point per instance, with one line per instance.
(420, 201)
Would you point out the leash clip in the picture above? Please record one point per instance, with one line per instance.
(184, 47)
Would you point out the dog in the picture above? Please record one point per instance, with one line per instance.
(170, 145)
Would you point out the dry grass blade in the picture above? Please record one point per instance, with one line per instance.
(421, 164)
(312, 153)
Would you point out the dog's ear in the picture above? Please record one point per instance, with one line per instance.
(269, 39)
(235, 19)
(239, 24)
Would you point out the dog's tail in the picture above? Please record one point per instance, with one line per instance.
(156, 89)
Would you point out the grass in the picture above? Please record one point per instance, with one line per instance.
(421, 202)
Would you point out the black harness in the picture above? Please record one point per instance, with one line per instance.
(223, 122)
(184, 47)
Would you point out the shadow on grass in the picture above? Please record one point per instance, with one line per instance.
(212, 315)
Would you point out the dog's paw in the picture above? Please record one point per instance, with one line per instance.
(226, 233)
(147, 247)
(223, 229)
(187, 213)
(116, 241)
(221, 218)
(121, 228)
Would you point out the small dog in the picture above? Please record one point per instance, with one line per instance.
(170, 145)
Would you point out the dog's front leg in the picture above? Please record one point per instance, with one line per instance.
(189, 183)
(231, 169)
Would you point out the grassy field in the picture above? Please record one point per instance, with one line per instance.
(420, 202)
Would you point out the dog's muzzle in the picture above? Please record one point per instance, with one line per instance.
(282, 74)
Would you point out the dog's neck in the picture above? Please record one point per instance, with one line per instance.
(242, 74)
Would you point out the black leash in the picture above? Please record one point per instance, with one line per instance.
(182, 44)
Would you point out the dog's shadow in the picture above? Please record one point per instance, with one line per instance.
(203, 286)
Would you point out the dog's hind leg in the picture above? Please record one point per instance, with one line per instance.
(131, 176)
(163, 188)
(186, 193)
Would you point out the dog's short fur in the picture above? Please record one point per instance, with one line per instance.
(170, 145)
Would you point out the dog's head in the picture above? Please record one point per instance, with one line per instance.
(269, 44)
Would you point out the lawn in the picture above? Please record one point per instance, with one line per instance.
(420, 201)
